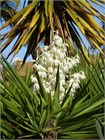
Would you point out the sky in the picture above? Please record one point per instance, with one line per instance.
(23, 50)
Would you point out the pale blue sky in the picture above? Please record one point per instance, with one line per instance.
(23, 50)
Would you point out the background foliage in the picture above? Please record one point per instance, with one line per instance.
(37, 21)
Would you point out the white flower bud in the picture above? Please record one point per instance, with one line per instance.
(62, 76)
(50, 70)
(62, 89)
(62, 82)
(50, 60)
(55, 72)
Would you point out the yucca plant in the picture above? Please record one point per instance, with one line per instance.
(95, 73)
(38, 115)
(39, 19)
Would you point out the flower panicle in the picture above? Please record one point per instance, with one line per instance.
(47, 65)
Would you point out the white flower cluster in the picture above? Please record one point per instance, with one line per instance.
(47, 65)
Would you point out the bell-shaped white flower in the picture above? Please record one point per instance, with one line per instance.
(56, 62)
(54, 50)
(75, 85)
(66, 69)
(82, 75)
(36, 87)
(33, 79)
(76, 76)
(42, 74)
